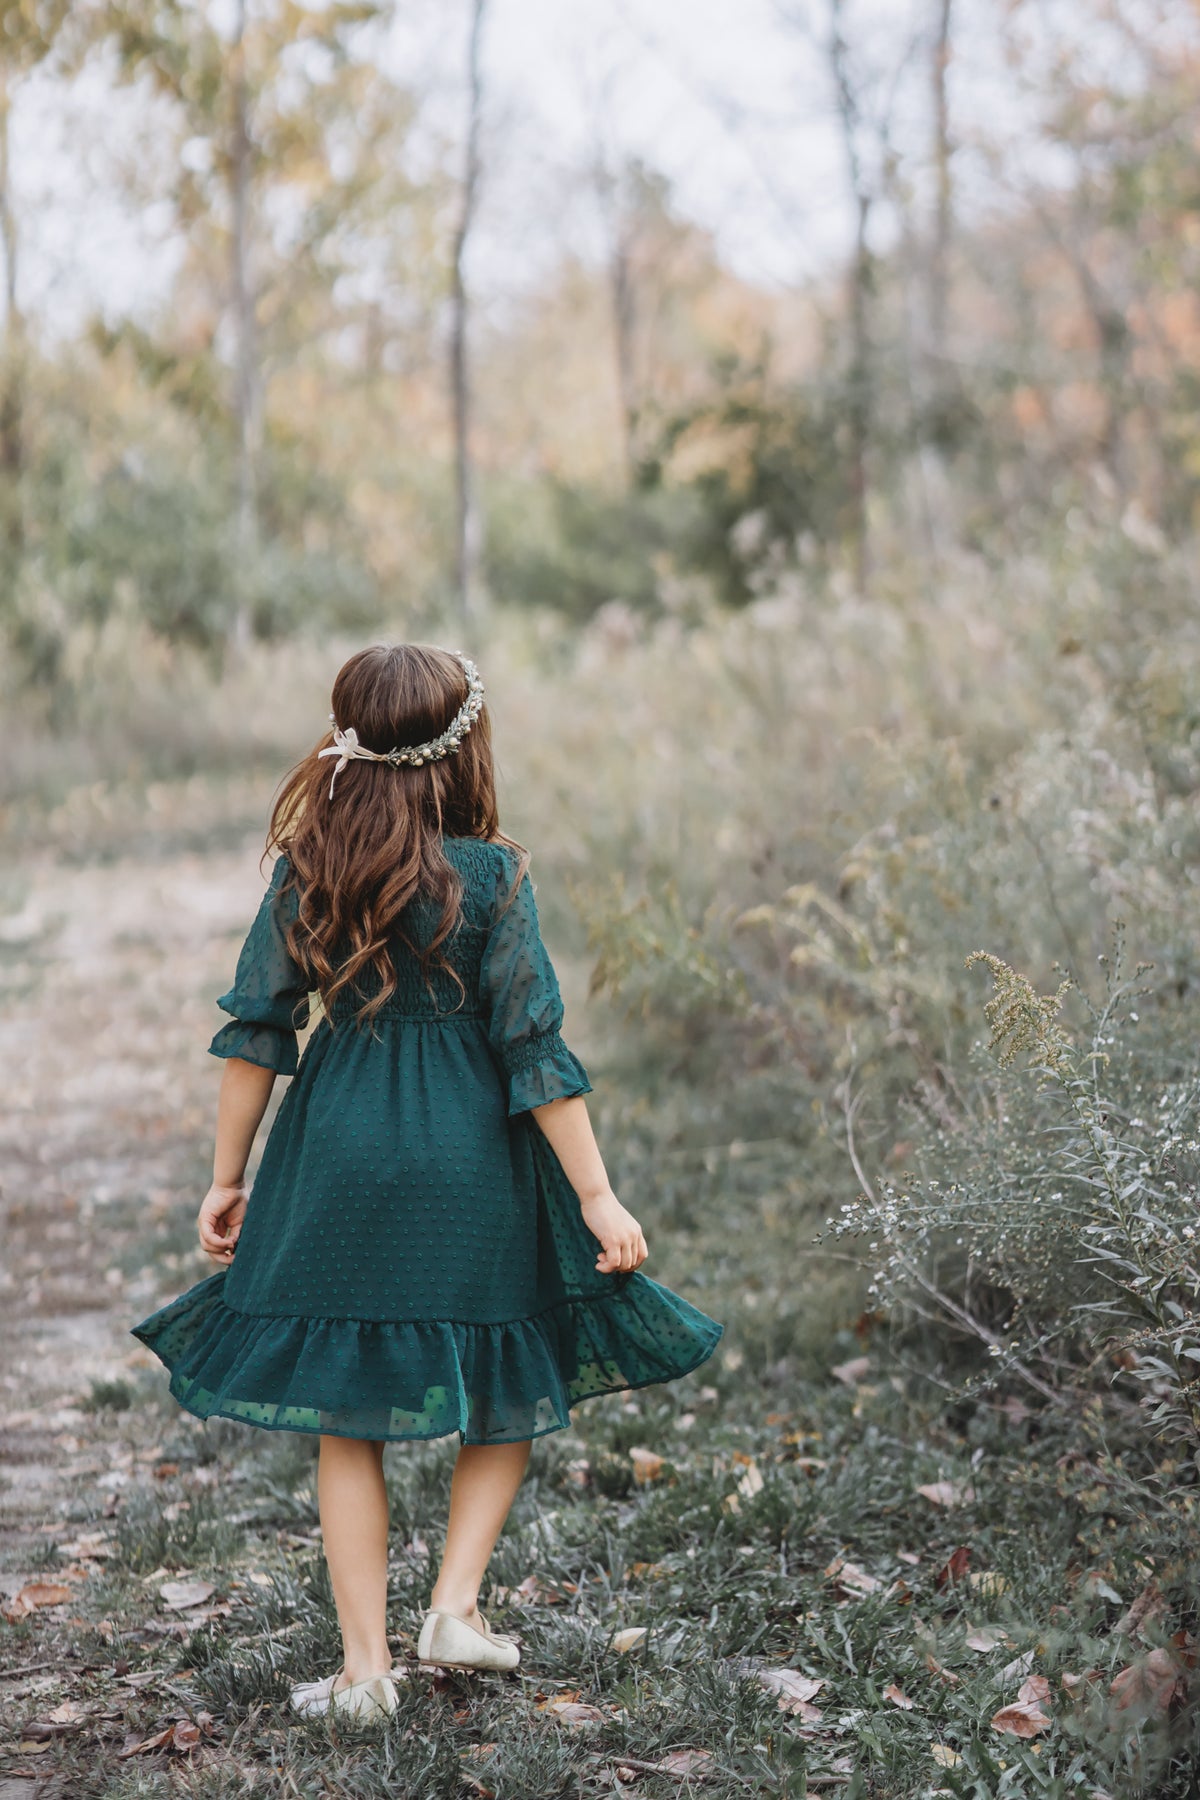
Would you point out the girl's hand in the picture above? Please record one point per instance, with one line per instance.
(620, 1235)
(220, 1220)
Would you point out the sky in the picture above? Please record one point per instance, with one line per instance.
(731, 99)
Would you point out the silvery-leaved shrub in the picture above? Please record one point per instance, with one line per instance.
(1056, 1224)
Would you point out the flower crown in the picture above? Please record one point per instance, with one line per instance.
(346, 747)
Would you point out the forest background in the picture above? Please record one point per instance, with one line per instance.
(798, 417)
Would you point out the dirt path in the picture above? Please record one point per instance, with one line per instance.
(107, 978)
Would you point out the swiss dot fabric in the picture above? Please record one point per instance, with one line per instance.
(413, 1260)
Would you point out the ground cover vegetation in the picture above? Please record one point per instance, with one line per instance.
(846, 671)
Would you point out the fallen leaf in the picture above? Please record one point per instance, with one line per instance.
(684, 1762)
(988, 1583)
(939, 1669)
(182, 1735)
(1024, 1719)
(792, 1690)
(986, 1638)
(944, 1756)
(1033, 1689)
(852, 1372)
(850, 1576)
(33, 1595)
(1149, 1685)
(68, 1712)
(955, 1568)
(573, 1712)
(1148, 1605)
(751, 1482)
(731, 1504)
(180, 1595)
(947, 1493)
(647, 1464)
(897, 1697)
(629, 1639)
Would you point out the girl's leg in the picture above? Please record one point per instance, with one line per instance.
(486, 1479)
(352, 1496)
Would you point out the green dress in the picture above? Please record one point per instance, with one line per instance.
(413, 1260)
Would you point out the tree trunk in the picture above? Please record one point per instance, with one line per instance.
(468, 524)
(859, 380)
(939, 258)
(247, 381)
(12, 356)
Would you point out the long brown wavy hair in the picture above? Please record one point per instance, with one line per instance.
(358, 860)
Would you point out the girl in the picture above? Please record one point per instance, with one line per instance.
(433, 1245)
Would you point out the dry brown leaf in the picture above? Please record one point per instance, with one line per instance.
(897, 1697)
(180, 1595)
(647, 1464)
(33, 1595)
(684, 1762)
(1149, 1685)
(792, 1690)
(849, 1576)
(947, 1493)
(852, 1372)
(573, 1712)
(70, 1712)
(944, 1756)
(1148, 1605)
(629, 1639)
(955, 1568)
(939, 1669)
(1033, 1690)
(986, 1638)
(988, 1583)
(182, 1735)
(1024, 1719)
(751, 1482)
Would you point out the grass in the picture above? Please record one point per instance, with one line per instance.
(771, 1538)
(785, 1529)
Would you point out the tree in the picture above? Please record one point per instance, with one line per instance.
(468, 546)
(252, 96)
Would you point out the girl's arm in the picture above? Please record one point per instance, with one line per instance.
(568, 1130)
(245, 1090)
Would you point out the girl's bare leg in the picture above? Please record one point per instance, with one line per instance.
(486, 1479)
(352, 1496)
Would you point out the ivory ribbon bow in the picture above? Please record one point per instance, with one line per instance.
(346, 748)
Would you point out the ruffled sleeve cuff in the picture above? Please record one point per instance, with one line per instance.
(540, 1070)
(267, 1045)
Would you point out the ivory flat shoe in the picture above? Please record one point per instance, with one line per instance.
(374, 1698)
(448, 1642)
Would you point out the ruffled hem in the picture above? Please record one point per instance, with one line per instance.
(267, 1045)
(388, 1380)
(552, 1073)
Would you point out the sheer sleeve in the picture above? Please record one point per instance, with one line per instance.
(269, 996)
(524, 1007)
